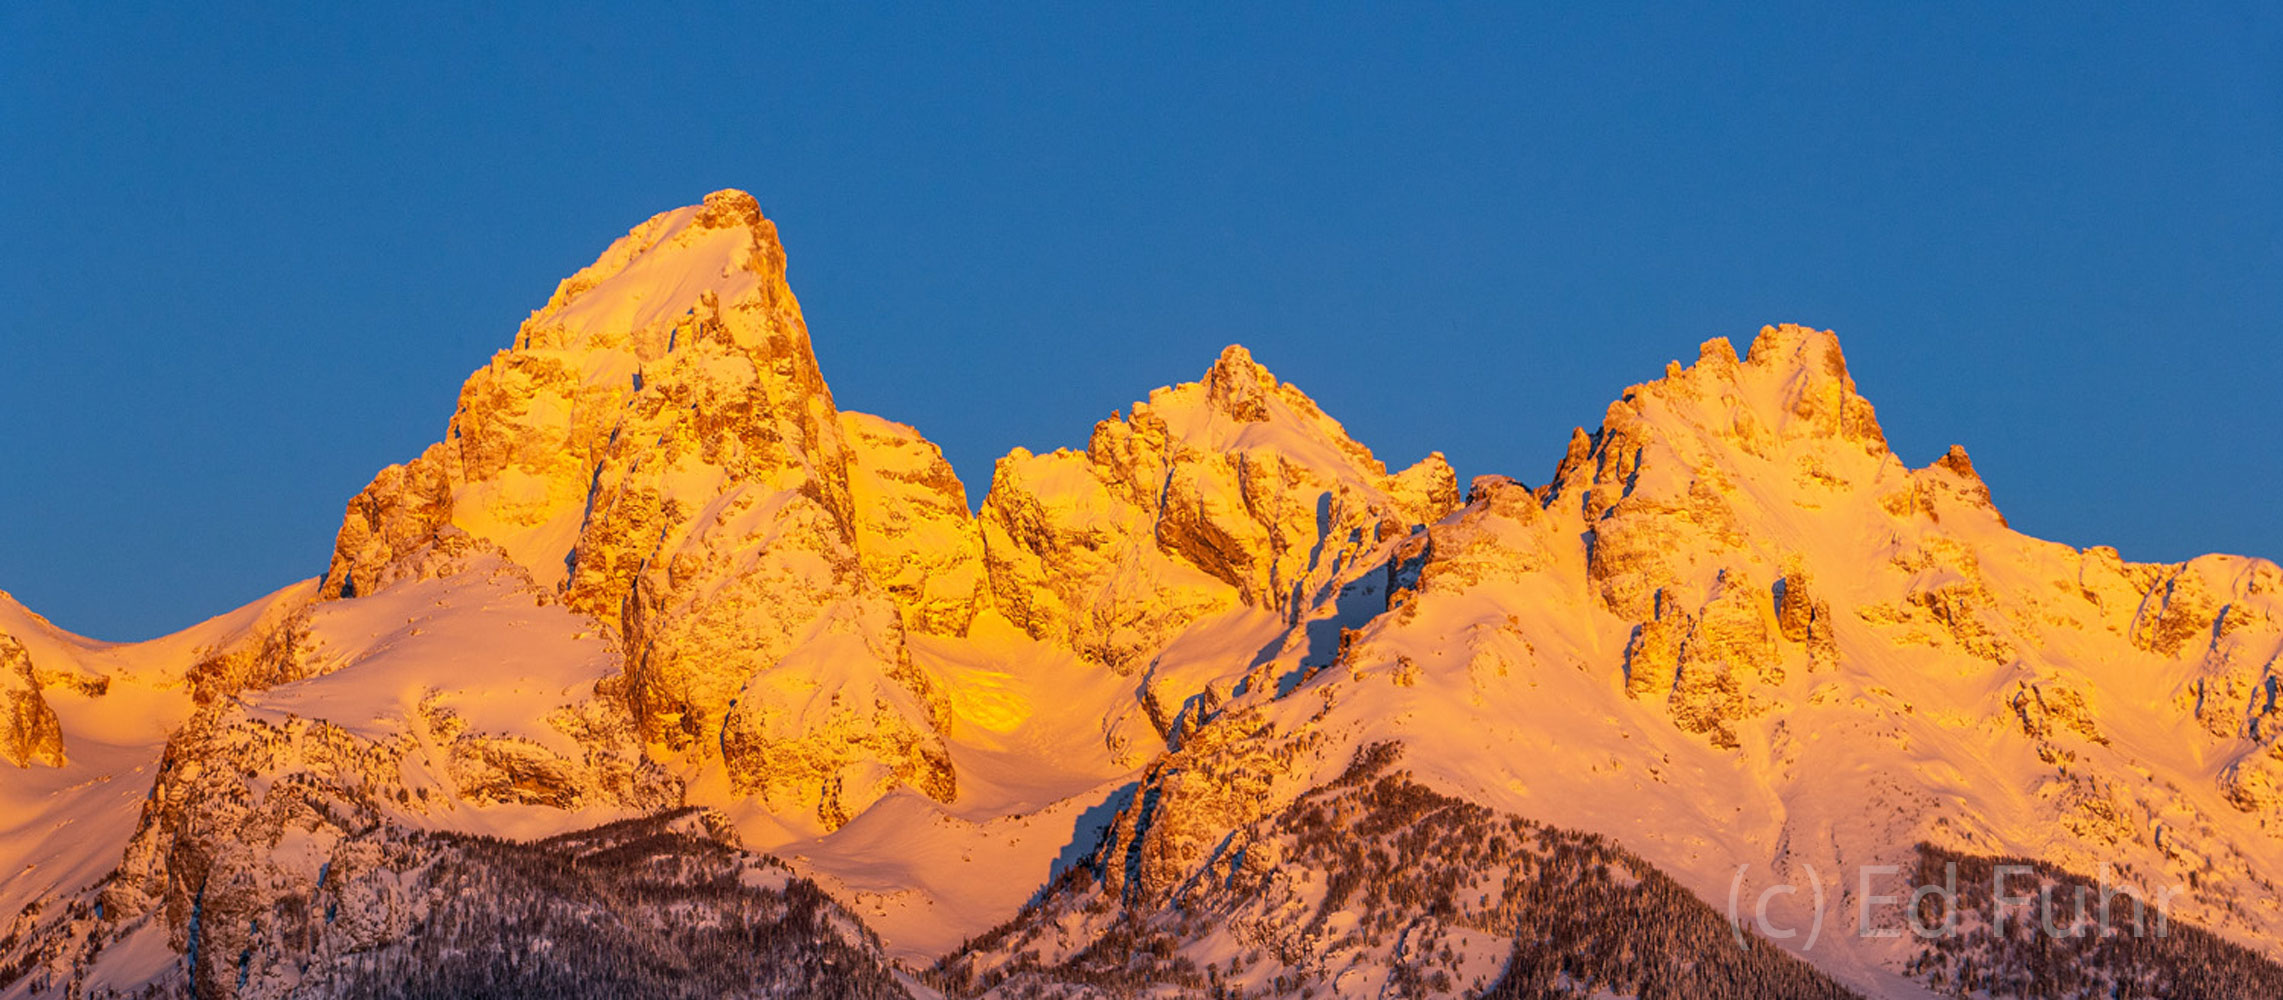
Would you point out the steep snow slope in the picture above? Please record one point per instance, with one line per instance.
(1035, 773)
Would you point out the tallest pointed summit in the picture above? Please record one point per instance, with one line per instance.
(719, 254)
(659, 451)
(683, 339)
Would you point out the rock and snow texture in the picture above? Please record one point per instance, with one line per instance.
(652, 565)
(1231, 491)
(28, 730)
(660, 449)
(1735, 630)
(1371, 885)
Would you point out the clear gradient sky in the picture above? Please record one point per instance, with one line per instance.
(248, 259)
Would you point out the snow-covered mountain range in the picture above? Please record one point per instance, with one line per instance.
(660, 674)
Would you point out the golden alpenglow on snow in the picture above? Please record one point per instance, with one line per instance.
(661, 675)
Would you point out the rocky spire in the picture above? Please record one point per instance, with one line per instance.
(683, 335)
(1232, 490)
(660, 450)
(29, 733)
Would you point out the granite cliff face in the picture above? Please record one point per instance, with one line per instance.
(28, 730)
(1233, 490)
(659, 449)
(1145, 700)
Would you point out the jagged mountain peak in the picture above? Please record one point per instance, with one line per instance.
(1794, 379)
(1238, 405)
(1959, 463)
(1789, 404)
(1236, 384)
(681, 340)
(1232, 491)
(659, 451)
(730, 207)
(719, 253)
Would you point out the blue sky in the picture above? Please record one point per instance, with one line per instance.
(249, 257)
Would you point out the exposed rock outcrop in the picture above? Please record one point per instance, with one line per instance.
(919, 543)
(1232, 490)
(29, 733)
